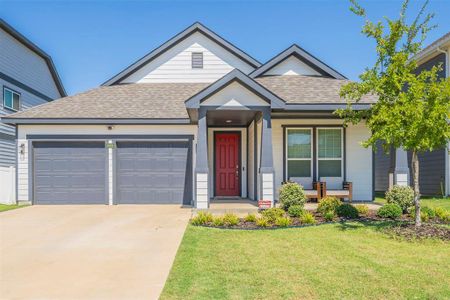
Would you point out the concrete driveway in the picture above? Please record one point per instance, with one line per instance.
(88, 251)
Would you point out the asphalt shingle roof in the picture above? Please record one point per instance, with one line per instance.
(166, 100)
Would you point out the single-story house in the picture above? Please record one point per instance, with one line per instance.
(194, 120)
(434, 166)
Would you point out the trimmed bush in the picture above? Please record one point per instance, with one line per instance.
(329, 216)
(250, 218)
(291, 193)
(283, 221)
(429, 211)
(202, 218)
(328, 204)
(273, 213)
(426, 213)
(307, 218)
(442, 214)
(347, 211)
(295, 211)
(390, 210)
(363, 209)
(403, 196)
(262, 222)
(230, 219)
(218, 221)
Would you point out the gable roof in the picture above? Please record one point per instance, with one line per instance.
(443, 40)
(235, 76)
(303, 56)
(196, 27)
(33, 47)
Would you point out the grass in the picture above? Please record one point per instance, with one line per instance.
(5, 207)
(425, 201)
(333, 261)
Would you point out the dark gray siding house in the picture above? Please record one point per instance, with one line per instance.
(27, 78)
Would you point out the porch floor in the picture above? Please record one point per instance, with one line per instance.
(238, 206)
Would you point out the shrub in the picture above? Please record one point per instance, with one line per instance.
(363, 209)
(295, 211)
(218, 221)
(262, 222)
(426, 213)
(250, 218)
(307, 218)
(202, 218)
(429, 211)
(329, 216)
(230, 219)
(273, 213)
(403, 196)
(328, 204)
(390, 210)
(283, 221)
(442, 214)
(291, 193)
(424, 217)
(347, 211)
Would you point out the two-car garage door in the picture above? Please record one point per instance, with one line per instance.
(144, 172)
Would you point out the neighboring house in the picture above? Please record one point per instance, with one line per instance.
(27, 78)
(434, 174)
(195, 119)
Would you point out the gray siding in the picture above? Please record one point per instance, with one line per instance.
(439, 59)
(431, 172)
(382, 164)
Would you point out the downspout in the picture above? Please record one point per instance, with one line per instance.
(447, 154)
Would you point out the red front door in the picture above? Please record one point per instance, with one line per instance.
(227, 146)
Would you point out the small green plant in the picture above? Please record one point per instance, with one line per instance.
(429, 211)
(424, 217)
(262, 222)
(251, 218)
(390, 210)
(403, 196)
(230, 219)
(307, 218)
(442, 214)
(273, 213)
(291, 193)
(347, 211)
(426, 213)
(295, 211)
(283, 221)
(218, 221)
(363, 209)
(202, 218)
(329, 216)
(328, 204)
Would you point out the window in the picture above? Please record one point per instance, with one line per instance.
(11, 99)
(329, 152)
(299, 153)
(197, 60)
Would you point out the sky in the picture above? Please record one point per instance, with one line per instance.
(91, 41)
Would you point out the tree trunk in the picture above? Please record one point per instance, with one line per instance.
(415, 174)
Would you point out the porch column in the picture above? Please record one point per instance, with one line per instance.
(399, 168)
(201, 163)
(266, 169)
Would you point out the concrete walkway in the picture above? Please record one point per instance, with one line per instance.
(88, 252)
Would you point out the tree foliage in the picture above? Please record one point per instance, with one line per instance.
(413, 108)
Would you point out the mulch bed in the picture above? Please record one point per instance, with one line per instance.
(410, 232)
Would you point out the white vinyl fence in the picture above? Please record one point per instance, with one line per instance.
(8, 185)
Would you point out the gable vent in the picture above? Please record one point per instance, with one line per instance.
(197, 60)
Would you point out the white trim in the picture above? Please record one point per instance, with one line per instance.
(326, 158)
(12, 92)
(311, 159)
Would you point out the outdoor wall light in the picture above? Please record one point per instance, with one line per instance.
(110, 127)
(228, 121)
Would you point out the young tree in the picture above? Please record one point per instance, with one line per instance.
(413, 108)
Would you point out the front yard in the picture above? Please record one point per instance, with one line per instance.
(5, 207)
(333, 261)
(431, 202)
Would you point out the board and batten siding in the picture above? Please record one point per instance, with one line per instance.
(25, 66)
(175, 65)
(24, 130)
(292, 66)
(251, 160)
(358, 168)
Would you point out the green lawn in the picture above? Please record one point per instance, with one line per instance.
(333, 261)
(5, 207)
(425, 201)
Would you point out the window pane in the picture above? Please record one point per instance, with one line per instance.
(7, 99)
(299, 168)
(329, 168)
(299, 143)
(330, 145)
(16, 101)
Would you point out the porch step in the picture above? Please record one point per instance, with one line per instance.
(240, 212)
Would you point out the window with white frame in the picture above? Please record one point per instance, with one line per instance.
(329, 152)
(11, 99)
(298, 152)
